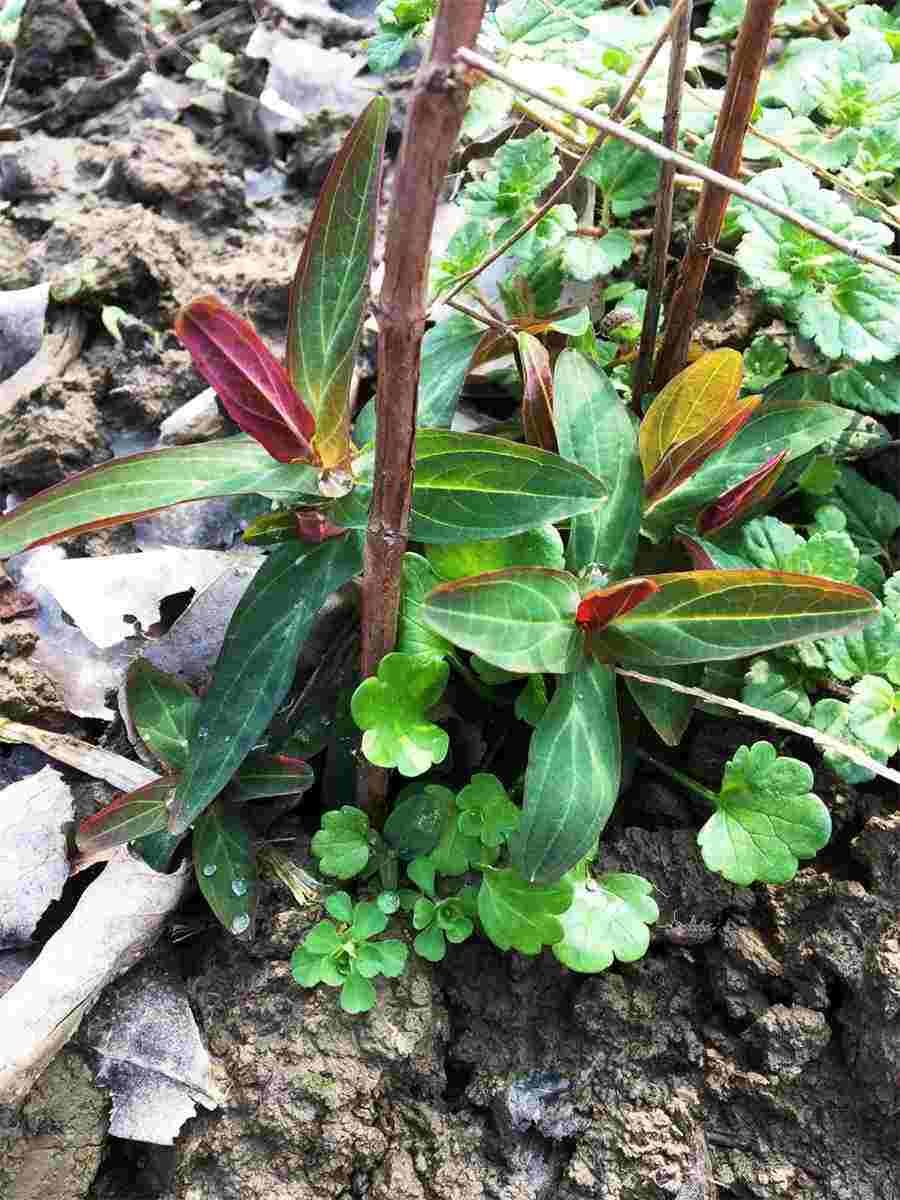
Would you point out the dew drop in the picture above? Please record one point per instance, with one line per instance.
(239, 887)
(240, 923)
(210, 869)
(203, 732)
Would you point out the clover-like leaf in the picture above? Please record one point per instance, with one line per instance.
(342, 844)
(486, 811)
(767, 818)
(607, 919)
(874, 714)
(831, 716)
(517, 915)
(418, 818)
(391, 708)
(777, 688)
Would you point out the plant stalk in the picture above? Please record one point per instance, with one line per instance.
(434, 117)
(665, 196)
(746, 67)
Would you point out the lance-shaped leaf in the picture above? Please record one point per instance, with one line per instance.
(740, 499)
(331, 286)
(225, 864)
(600, 607)
(249, 380)
(264, 775)
(521, 620)
(257, 663)
(447, 353)
(595, 430)
(469, 486)
(797, 426)
(163, 709)
(537, 392)
(695, 402)
(572, 779)
(129, 816)
(701, 616)
(686, 458)
(139, 484)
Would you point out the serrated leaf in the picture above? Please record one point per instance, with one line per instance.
(831, 716)
(127, 818)
(225, 865)
(387, 47)
(342, 844)
(521, 169)
(331, 285)
(584, 258)
(163, 709)
(469, 486)
(777, 688)
(521, 620)
(607, 919)
(522, 916)
(391, 708)
(627, 177)
(873, 715)
(701, 616)
(871, 389)
(457, 850)
(140, 484)
(541, 547)
(595, 430)
(533, 22)
(767, 818)
(573, 774)
(249, 380)
(257, 664)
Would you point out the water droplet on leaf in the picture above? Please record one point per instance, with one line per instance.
(239, 887)
(210, 869)
(240, 923)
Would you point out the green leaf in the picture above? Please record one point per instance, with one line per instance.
(832, 716)
(457, 850)
(848, 309)
(521, 169)
(416, 821)
(701, 616)
(533, 22)
(387, 47)
(486, 811)
(357, 994)
(764, 362)
(531, 702)
(263, 775)
(257, 663)
(831, 555)
(870, 511)
(874, 714)
(767, 818)
(489, 103)
(430, 944)
(541, 547)
(130, 816)
(368, 919)
(522, 916)
(608, 919)
(595, 430)
(584, 258)
(872, 389)
(723, 19)
(627, 177)
(342, 844)
(163, 709)
(393, 955)
(391, 711)
(668, 712)
(331, 285)
(422, 872)
(447, 352)
(306, 967)
(573, 774)
(777, 688)
(469, 486)
(225, 865)
(340, 906)
(413, 635)
(521, 620)
(138, 484)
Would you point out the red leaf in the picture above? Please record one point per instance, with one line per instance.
(537, 394)
(686, 458)
(739, 499)
(314, 527)
(249, 380)
(598, 608)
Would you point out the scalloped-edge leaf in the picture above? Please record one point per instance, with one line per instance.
(608, 918)
(141, 484)
(331, 285)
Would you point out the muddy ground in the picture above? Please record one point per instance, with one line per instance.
(764, 1022)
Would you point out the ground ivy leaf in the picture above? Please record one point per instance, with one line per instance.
(866, 652)
(517, 915)
(627, 177)
(607, 919)
(486, 811)
(830, 554)
(831, 716)
(391, 708)
(767, 818)
(520, 171)
(777, 688)
(871, 389)
(342, 844)
(874, 714)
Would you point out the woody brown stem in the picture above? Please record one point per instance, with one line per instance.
(734, 117)
(433, 121)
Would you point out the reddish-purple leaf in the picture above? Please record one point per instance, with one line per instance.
(249, 380)
(598, 608)
(741, 498)
(685, 458)
(537, 393)
(129, 816)
(314, 527)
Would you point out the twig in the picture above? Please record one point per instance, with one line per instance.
(834, 17)
(620, 107)
(760, 714)
(434, 117)
(746, 67)
(851, 249)
(665, 195)
(101, 764)
(7, 82)
(484, 318)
